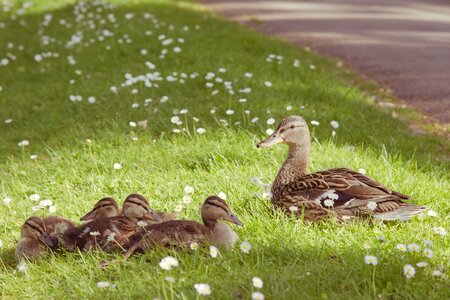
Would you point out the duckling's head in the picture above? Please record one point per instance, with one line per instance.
(137, 207)
(104, 208)
(215, 209)
(292, 130)
(34, 228)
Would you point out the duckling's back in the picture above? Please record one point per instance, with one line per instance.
(175, 233)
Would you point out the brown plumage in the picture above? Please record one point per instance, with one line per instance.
(181, 233)
(39, 236)
(341, 194)
(108, 207)
(104, 208)
(111, 233)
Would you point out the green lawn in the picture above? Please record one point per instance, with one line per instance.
(43, 67)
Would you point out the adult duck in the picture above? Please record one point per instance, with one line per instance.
(339, 193)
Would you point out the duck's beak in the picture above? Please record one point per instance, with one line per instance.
(152, 216)
(233, 219)
(88, 217)
(47, 240)
(275, 138)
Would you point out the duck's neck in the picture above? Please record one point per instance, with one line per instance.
(222, 235)
(295, 166)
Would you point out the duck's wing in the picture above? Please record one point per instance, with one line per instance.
(175, 233)
(346, 184)
(351, 193)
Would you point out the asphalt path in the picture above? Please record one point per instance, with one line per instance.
(404, 45)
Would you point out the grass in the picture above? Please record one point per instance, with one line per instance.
(296, 261)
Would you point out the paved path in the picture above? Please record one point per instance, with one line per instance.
(402, 44)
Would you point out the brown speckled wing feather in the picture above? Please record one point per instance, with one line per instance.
(176, 233)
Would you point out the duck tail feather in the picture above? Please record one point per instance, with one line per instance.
(403, 213)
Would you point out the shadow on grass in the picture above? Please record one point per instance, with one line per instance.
(305, 272)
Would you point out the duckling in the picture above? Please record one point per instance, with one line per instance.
(104, 208)
(111, 233)
(181, 233)
(40, 235)
(35, 241)
(340, 194)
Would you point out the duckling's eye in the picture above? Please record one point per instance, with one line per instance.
(292, 126)
(282, 130)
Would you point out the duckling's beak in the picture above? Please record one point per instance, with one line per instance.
(233, 219)
(152, 216)
(89, 216)
(275, 138)
(47, 240)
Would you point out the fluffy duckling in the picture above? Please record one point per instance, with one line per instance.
(39, 235)
(111, 233)
(341, 194)
(104, 208)
(181, 233)
(35, 241)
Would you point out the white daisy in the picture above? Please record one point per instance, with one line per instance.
(141, 224)
(270, 121)
(222, 195)
(188, 189)
(257, 282)
(229, 112)
(35, 197)
(413, 247)
(440, 231)
(103, 284)
(409, 271)
(213, 251)
(94, 233)
(315, 123)
(432, 213)
(201, 130)
(111, 237)
(7, 200)
(293, 208)
(117, 166)
(257, 296)
(371, 260)
(167, 263)
(22, 266)
(187, 199)
(269, 131)
(203, 289)
(401, 247)
(328, 203)
(422, 264)
(428, 253)
(193, 246)
(245, 247)
(46, 202)
(437, 273)
(334, 124)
